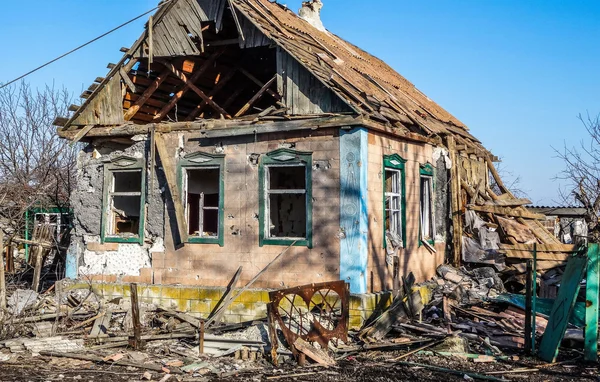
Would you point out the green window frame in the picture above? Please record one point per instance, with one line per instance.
(122, 165)
(280, 159)
(426, 204)
(201, 161)
(394, 196)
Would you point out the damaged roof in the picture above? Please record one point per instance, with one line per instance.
(366, 84)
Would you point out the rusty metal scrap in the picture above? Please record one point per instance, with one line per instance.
(315, 312)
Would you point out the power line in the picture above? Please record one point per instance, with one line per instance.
(84, 45)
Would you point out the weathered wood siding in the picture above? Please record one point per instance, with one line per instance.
(106, 108)
(301, 91)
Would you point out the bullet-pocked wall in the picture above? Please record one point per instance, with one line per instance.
(160, 259)
(413, 256)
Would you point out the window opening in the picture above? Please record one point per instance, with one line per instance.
(125, 196)
(203, 189)
(427, 223)
(393, 203)
(286, 201)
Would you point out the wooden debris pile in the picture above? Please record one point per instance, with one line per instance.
(498, 231)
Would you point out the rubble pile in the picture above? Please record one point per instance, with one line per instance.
(462, 313)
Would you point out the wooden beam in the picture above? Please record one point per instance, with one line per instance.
(259, 94)
(507, 211)
(130, 113)
(455, 205)
(169, 169)
(547, 256)
(188, 84)
(259, 83)
(127, 80)
(220, 85)
(81, 133)
(509, 202)
(563, 248)
(497, 178)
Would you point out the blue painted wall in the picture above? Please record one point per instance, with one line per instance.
(72, 261)
(354, 218)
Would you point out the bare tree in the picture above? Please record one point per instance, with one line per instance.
(512, 182)
(36, 166)
(582, 173)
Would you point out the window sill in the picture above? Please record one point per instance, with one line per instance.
(205, 240)
(131, 240)
(430, 241)
(286, 242)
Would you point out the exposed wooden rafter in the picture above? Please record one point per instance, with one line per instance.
(259, 94)
(189, 84)
(179, 74)
(147, 94)
(220, 85)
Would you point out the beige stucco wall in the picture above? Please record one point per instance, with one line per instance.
(212, 265)
(414, 258)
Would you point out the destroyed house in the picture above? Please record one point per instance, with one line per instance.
(233, 131)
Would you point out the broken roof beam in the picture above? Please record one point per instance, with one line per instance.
(179, 74)
(261, 84)
(507, 211)
(259, 94)
(132, 111)
(220, 85)
(188, 84)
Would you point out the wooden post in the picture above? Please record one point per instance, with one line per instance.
(272, 334)
(136, 342)
(591, 303)
(528, 307)
(201, 338)
(455, 204)
(2, 279)
(534, 301)
(37, 271)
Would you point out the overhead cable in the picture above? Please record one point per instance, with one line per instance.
(84, 45)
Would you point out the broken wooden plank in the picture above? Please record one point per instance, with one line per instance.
(169, 170)
(81, 134)
(122, 362)
(563, 248)
(509, 202)
(226, 299)
(313, 353)
(232, 298)
(127, 80)
(258, 94)
(101, 325)
(136, 341)
(507, 211)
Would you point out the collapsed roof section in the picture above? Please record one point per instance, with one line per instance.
(248, 59)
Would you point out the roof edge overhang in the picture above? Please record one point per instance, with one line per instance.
(230, 128)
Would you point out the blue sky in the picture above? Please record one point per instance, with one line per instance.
(516, 72)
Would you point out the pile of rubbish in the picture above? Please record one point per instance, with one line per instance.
(461, 313)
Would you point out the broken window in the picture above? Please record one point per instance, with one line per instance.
(124, 204)
(202, 192)
(426, 205)
(286, 202)
(124, 199)
(202, 202)
(394, 201)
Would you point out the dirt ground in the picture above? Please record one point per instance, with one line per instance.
(368, 367)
